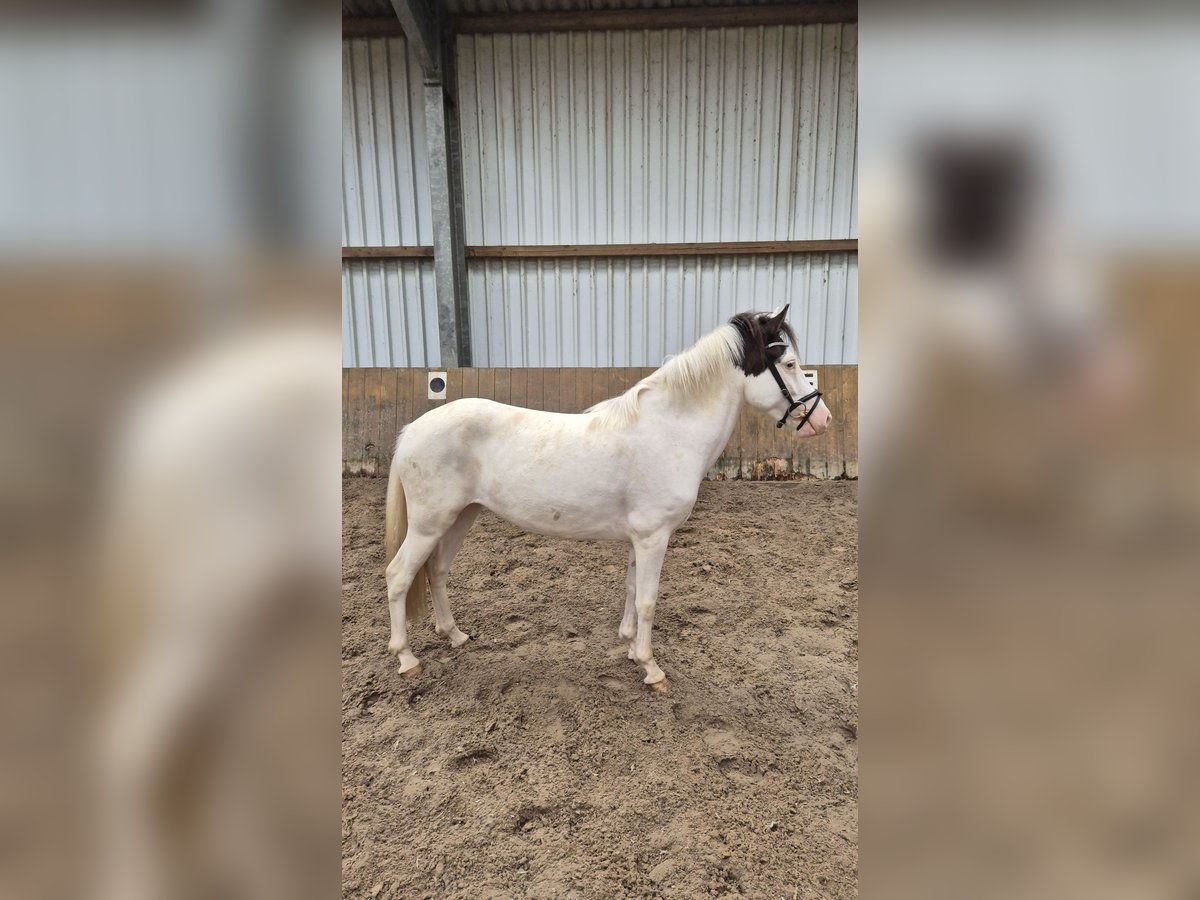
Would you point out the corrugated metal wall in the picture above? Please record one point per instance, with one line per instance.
(618, 312)
(389, 307)
(735, 134)
(674, 135)
(389, 313)
(665, 136)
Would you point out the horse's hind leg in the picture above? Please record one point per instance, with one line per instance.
(439, 568)
(400, 574)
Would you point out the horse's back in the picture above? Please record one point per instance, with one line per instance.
(543, 471)
(467, 433)
(470, 419)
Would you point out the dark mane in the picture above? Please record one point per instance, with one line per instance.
(756, 333)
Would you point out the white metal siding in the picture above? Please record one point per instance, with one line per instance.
(389, 313)
(733, 134)
(385, 177)
(389, 307)
(609, 137)
(663, 136)
(619, 312)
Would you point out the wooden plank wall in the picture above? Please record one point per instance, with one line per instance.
(377, 403)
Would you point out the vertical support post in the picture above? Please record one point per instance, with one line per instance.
(457, 218)
(449, 251)
(427, 30)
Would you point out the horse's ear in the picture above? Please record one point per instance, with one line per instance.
(775, 323)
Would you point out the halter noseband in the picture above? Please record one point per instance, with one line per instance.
(787, 395)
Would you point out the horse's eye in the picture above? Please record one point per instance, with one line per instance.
(791, 365)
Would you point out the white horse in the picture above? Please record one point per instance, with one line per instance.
(628, 469)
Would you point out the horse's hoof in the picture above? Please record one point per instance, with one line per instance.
(659, 687)
(457, 640)
(412, 672)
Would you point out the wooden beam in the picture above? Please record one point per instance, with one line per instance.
(387, 253)
(720, 248)
(639, 19)
(580, 251)
(371, 26)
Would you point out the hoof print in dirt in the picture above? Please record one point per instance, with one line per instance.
(468, 758)
(515, 624)
(531, 817)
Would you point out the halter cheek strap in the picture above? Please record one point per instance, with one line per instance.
(787, 395)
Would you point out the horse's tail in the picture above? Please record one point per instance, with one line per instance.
(416, 604)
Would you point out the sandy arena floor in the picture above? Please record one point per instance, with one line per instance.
(534, 763)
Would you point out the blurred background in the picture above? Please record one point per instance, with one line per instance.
(169, 676)
(1030, 501)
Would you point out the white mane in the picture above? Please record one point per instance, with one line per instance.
(694, 373)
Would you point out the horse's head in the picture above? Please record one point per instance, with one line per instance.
(774, 382)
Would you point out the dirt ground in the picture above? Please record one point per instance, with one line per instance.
(534, 762)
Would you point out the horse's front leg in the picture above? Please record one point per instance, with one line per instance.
(629, 620)
(649, 553)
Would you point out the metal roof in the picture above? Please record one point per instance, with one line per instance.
(373, 8)
(480, 7)
(352, 9)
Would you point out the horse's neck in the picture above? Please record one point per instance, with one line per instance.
(701, 427)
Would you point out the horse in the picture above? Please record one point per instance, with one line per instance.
(217, 561)
(627, 469)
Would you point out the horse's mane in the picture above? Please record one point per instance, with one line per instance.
(694, 373)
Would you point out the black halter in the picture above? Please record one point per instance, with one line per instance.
(792, 403)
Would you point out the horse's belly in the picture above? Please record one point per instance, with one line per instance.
(555, 482)
(557, 508)
(561, 521)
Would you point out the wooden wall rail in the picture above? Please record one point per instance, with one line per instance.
(377, 403)
(387, 253)
(579, 251)
(615, 20)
